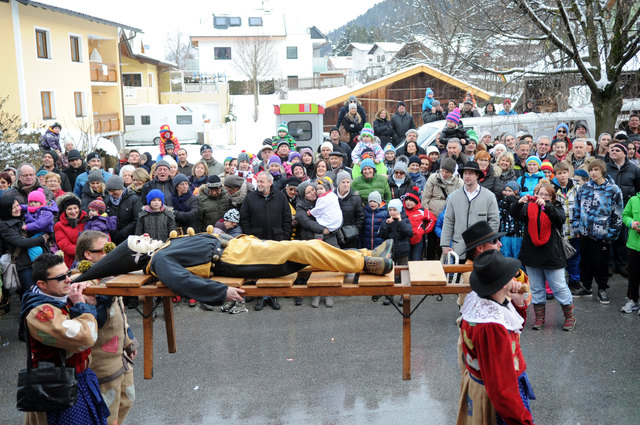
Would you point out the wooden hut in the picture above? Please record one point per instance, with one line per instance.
(408, 85)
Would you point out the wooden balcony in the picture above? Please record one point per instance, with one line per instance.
(103, 72)
(105, 123)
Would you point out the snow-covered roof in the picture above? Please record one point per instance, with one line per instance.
(359, 46)
(387, 47)
(238, 25)
(341, 62)
(136, 48)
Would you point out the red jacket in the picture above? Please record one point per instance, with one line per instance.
(422, 222)
(67, 236)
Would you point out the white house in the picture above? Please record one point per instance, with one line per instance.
(222, 38)
(361, 57)
(382, 54)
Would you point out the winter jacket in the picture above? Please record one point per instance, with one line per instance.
(401, 124)
(127, 212)
(158, 224)
(369, 237)
(165, 187)
(12, 238)
(235, 232)
(437, 190)
(508, 224)
(462, 213)
(547, 256)
(211, 209)
(73, 173)
(567, 198)
(50, 141)
(84, 178)
(41, 220)
(461, 160)
(427, 103)
(428, 116)
(397, 192)
(189, 216)
(400, 232)
(422, 222)
(506, 177)
(365, 186)
(67, 236)
(102, 223)
(630, 214)
(64, 180)
(403, 151)
(418, 180)
(352, 209)
(351, 125)
(447, 133)
(22, 196)
(266, 217)
(384, 130)
(626, 177)
(470, 114)
(528, 182)
(89, 196)
(288, 138)
(344, 110)
(598, 210)
(308, 227)
(215, 167)
(492, 182)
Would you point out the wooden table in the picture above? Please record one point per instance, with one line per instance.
(403, 289)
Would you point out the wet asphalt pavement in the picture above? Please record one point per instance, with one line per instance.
(343, 365)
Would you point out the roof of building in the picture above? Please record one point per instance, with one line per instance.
(237, 25)
(138, 52)
(408, 72)
(78, 15)
(359, 46)
(387, 47)
(341, 62)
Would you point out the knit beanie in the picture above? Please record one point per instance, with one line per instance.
(37, 196)
(232, 181)
(334, 129)
(95, 176)
(283, 127)
(353, 106)
(93, 155)
(53, 154)
(433, 149)
(375, 196)
(514, 186)
(368, 163)
(454, 116)
(535, 159)
(205, 148)
(401, 103)
(233, 215)
(282, 142)
(414, 158)
(308, 151)
(400, 166)
(294, 154)
(546, 165)
(115, 182)
(582, 173)
(367, 130)
(342, 174)
(74, 154)
(413, 194)
(213, 182)
(98, 205)
(292, 182)
(448, 164)
(162, 163)
(41, 173)
(327, 145)
(153, 194)
(563, 125)
(396, 204)
(179, 178)
(297, 164)
(275, 159)
(243, 156)
(326, 182)
(389, 148)
(67, 200)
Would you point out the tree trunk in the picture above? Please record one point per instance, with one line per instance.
(256, 99)
(607, 105)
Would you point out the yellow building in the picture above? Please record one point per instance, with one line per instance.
(60, 65)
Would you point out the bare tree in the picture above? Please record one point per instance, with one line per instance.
(178, 49)
(255, 58)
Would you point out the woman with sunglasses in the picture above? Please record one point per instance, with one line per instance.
(562, 133)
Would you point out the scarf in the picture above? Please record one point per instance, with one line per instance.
(180, 202)
(116, 201)
(415, 176)
(539, 225)
(398, 182)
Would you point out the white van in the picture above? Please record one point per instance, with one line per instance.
(143, 122)
(534, 124)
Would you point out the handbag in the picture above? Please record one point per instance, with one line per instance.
(47, 387)
(567, 248)
(10, 278)
(349, 231)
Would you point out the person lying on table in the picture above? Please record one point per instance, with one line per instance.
(187, 264)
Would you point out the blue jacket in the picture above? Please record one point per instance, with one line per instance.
(528, 182)
(372, 220)
(426, 104)
(598, 210)
(83, 178)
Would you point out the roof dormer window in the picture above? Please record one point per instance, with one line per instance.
(255, 22)
(234, 21)
(220, 22)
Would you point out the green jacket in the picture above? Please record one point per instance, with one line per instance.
(630, 214)
(365, 186)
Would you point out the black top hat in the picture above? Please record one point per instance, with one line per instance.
(491, 271)
(472, 165)
(478, 234)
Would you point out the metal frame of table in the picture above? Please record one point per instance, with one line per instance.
(403, 289)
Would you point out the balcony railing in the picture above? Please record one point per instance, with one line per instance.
(105, 123)
(103, 72)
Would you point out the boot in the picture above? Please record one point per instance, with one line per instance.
(383, 250)
(539, 311)
(569, 318)
(377, 265)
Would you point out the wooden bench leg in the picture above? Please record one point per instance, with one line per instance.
(406, 338)
(147, 326)
(168, 321)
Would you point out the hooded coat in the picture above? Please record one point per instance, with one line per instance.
(437, 190)
(127, 212)
(211, 209)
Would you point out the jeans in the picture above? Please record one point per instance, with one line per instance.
(573, 263)
(556, 280)
(415, 253)
(510, 246)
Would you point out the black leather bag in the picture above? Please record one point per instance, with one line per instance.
(47, 387)
(350, 231)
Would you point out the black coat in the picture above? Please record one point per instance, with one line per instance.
(428, 116)
(65, 184)
(12, 238)
(400, 232)
(398, 191)
(189, 217)
(447, 133)
(345, 110)
(164, 187)
(384, 130)
(308, 227)
(627, 178)
(492, 182)
(127, 212)
(352, 210)
(401, 124)
(266, 217)
(73, 173)
(550, 255)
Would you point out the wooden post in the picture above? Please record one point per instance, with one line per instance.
(147, 326)
(168, 321)
(406, 337)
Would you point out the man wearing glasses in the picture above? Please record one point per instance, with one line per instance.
(59, 317)
(542, 150)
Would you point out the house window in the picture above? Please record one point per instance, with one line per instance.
(292, 52)
(145, 119)
(222, 53)
(235, 21)
(75, 48)
(42, 44)
(46, 98)
(255, 22)
(184, 119)
(129, 120)
(132, 80)
(150, 78)
(78, 100)
(220, 22)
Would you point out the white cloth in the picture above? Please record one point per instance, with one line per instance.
(327, 211)
(482, 310)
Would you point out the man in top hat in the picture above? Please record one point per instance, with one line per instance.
(466, 206)
(495, 386)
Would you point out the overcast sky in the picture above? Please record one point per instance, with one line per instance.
(157, 18)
